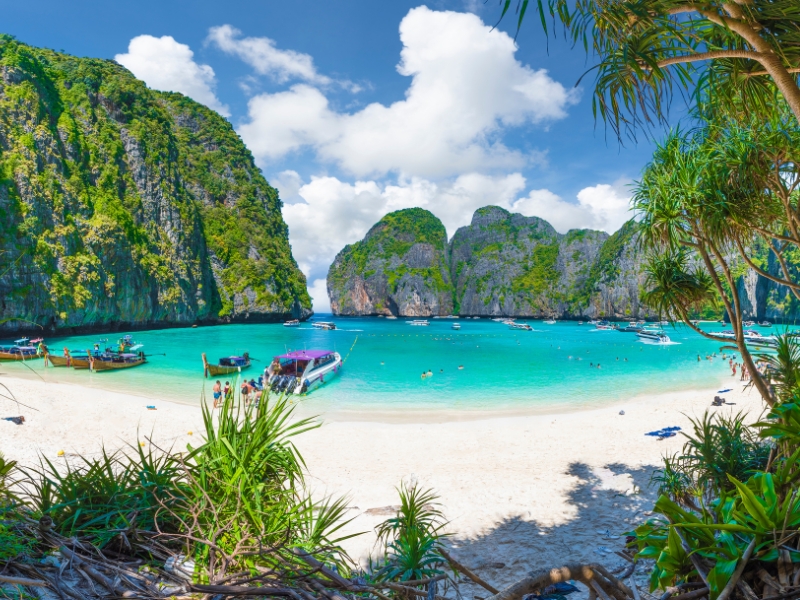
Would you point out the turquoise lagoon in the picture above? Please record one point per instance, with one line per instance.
(553, 368)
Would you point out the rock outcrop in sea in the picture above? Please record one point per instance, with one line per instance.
(502, 264)
(399, 268)
(124, 206)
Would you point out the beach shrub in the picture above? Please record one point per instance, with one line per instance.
(412, 538)
(737, 525)
(237, 501)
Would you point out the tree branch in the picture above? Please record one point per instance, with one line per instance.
(687, 58)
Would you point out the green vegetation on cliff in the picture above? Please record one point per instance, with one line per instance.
(406, 249)
(120, 203)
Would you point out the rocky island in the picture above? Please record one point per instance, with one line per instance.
(121, 206)
(501, 264)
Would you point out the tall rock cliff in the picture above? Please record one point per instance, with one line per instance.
(502, 264)
(505, 264)
(123, 206)
(400, 268)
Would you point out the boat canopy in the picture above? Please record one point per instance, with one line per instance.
(304, 354)
(233, 361)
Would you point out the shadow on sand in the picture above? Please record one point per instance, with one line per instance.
(598, 503)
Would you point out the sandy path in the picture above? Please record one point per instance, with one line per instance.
(521, 492)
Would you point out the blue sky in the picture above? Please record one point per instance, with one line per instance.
(355, 108)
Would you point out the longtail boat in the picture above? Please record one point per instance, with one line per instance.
(81, 361)
(17, 352)
(227, 364)
(112, 361)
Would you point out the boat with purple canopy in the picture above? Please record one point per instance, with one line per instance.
(301, 371)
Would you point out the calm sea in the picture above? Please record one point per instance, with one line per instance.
(551, 368)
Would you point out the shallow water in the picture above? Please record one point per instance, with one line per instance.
(553, 367)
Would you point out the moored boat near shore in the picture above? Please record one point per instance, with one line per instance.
(18, 352)
(117, 360)
(226, 365)
(301, 371)
(292, 323)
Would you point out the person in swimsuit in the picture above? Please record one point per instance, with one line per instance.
(217, 393)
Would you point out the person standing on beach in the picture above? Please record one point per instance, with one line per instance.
(217, 389)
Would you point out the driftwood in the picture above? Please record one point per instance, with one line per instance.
(467, 572)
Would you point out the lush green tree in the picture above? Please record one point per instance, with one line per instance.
(715, 202)
(648, 48)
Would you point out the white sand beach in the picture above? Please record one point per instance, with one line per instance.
(521, 492)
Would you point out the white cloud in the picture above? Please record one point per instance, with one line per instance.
(466, 87)
(262, 54)
(318, 291)
(167, 65)
(603, 206)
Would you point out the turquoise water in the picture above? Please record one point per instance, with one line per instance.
(545, 369)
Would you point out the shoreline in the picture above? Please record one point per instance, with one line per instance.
(519, 491)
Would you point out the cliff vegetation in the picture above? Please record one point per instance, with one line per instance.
(124, 205)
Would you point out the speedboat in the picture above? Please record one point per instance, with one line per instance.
(292, 323)
(603, 326)
(751, 336)
(748, 323)
(653, 335)
(419, 322)
(391, 317)
(523, 326)
(301, 371)
(550, 322)
(326, 325)
(765, 324)
(455, 326)
(632, 327)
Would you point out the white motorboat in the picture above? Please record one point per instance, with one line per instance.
(765, 324)
(419, 322)
(391, 317)
(751, 336)
(653, 335)
(550, 322)
(292, 323)
(327, 325)
(455, 326)
(301, 371)
(523, 326)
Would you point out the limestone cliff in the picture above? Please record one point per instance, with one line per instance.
(399, 268)
(502, 264)
(123, 206)
(505, 264)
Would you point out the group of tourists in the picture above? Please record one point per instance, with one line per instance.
(250, 390)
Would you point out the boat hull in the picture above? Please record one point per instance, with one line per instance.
(9, 356)
(110, 365)
(79, 363)
(214, 370)
(59, 361)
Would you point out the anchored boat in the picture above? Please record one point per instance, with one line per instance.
(113, 361)
(292, 323)
(226, 365)
(651, 335)
(23, 351)
(301, 371)
(419, 322)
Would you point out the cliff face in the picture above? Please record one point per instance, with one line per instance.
(501, 264)
(508, 264)
(120, 205)
(400, 268)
